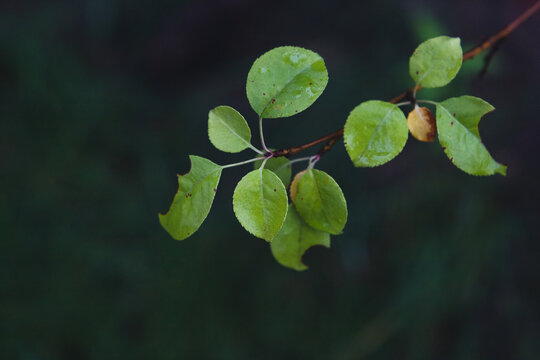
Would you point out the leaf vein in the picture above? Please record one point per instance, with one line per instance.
(374, 133)
(320, 198)
(234, 132)
(262, 203)
(285, 86)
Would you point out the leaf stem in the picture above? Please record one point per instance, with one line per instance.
(264, 163)
(290, 162)
(428, 102)
(313, 160)
(244, 162)
(256, 150)
(403, 103)
(262, 136)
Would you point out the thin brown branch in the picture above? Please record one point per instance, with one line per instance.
(332, 138)
(295, 150)
(503, 33)
(489, 56)
(329, 144)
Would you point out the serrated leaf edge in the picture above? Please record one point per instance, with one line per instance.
(273, 98)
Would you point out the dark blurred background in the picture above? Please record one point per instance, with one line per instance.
(101, 101)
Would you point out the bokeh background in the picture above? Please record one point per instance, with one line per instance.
(101, 101)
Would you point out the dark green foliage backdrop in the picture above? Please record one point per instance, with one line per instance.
(101, 101)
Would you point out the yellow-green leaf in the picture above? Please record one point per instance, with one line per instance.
(468, 110)
(436, 61)
(192, 202)
(320, 201)
(457, 127)
(228, 130)
(280, 166)
(285, 81)
(260, 203)
(294, 239)
(375, 133)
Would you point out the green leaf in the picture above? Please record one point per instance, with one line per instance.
(285, 81)
(457, 127)
(294, 239)
(468, 110)
(192, 202)
(260, 203)
(280, 166)
(228, 130)
(375, 133)
(436, 61)
(319, 200)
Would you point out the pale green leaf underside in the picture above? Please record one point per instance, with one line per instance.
(294, 239)
(375, 133)
(463, 146)
(436, 61)
(192, 202)
(320, 202)
(228, 130)
(280, 166)
(285, 81)
(260, 203)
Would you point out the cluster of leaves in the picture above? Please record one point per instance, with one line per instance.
(376, 131)
(286, 81)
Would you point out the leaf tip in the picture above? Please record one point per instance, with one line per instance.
(302, 267)
(162, 219)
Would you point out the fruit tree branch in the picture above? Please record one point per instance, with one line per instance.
(493, 41)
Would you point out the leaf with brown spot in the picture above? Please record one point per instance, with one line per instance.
(294, 184)
(283, 74)
(460, 138)
(191, 205)
(319, 201)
